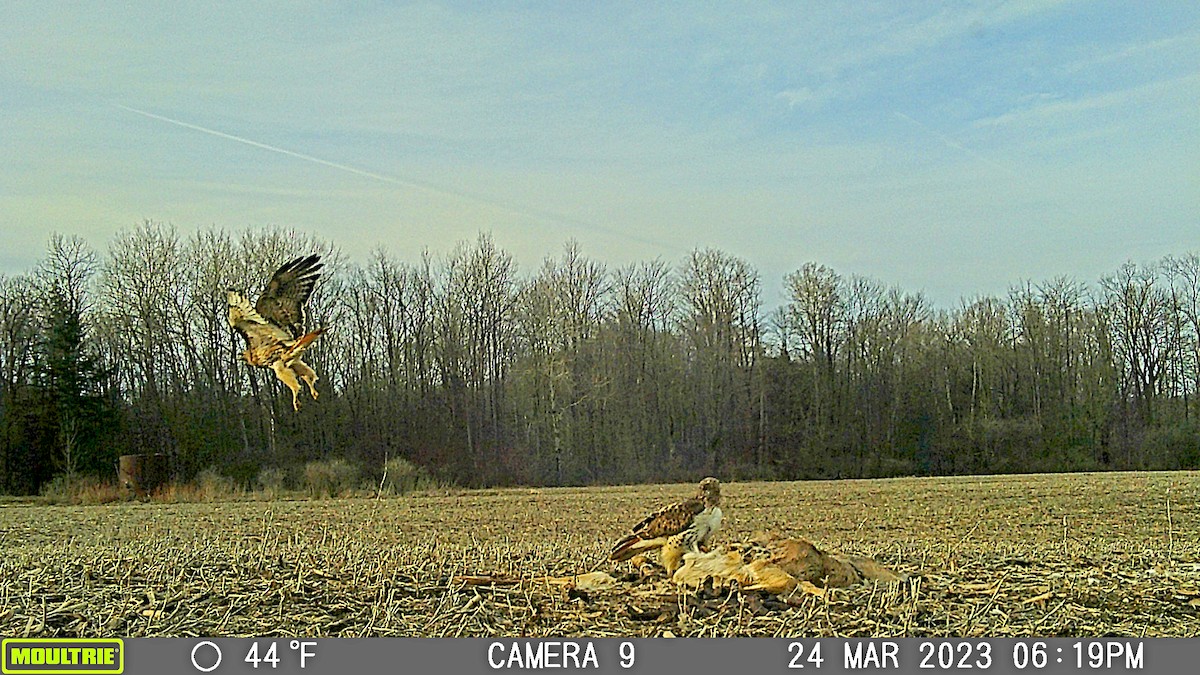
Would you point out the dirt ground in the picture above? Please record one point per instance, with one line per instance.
(1114, 554)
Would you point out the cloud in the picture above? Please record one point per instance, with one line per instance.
(1186, 45)
(892, 33)
(802, 98)
(1052, 109)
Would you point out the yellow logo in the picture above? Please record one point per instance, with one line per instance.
(79, 656)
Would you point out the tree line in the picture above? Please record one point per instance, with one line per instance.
(577, 373)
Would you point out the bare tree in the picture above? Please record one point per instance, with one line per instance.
(719, 321)
(19, 328)
(646, 357)
(475, 347)
(573, 374)
(558, 318)
(1184, 277)
(1137, 310)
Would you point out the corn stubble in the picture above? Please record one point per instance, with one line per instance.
(1039, 555)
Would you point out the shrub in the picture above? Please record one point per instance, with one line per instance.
(213, 486)
(1171, 447)
(330, 478)
(273, 481)
(401, 476)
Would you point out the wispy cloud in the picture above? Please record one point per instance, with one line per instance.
(1044, 109)
(803, 97)
(901, 30)
(1185, 44)
(950, 142)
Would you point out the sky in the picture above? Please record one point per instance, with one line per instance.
(953, 148)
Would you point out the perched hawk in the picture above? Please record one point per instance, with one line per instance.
(272, 327)
(678, 528)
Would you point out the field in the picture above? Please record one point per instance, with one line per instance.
(1115, 554)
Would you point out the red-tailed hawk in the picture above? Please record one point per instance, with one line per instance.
(675, 529)
(273, 326)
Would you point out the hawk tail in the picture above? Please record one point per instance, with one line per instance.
(302, 343)
(628, 547)
(307, 339)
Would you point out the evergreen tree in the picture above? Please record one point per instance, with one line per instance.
(75, 416)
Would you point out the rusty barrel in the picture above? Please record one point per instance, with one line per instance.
(141, 473)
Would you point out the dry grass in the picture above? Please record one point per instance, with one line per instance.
(1041, 555)
(81, 490)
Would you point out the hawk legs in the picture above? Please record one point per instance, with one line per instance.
(288, 376)
(308, 375)
(291, 374)
(671, 554)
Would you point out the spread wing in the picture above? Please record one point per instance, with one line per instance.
(257, 331)
(282, 301)
(670, 520)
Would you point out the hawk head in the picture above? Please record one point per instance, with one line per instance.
(710, 491)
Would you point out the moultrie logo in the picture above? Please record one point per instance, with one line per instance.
(78, 656)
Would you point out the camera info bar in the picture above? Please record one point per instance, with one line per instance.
(726, 656)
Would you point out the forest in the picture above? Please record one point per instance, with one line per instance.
(576, 373)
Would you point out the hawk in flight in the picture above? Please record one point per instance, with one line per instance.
(273, 326)
(675, 529)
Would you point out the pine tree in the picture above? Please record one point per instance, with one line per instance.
(70, 375)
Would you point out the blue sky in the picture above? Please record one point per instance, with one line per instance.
(949, 147)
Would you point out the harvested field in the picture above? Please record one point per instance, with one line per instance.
(1115, 554)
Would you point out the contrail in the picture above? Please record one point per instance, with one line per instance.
(958, 146)
(285, 151)
(544, 216)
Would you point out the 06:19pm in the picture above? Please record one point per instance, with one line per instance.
(1093, 654)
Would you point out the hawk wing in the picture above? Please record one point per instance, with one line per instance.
(654, 529)
(257, 331)
(282, 301)
(671, 519)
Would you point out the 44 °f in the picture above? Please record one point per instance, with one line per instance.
(271, 656)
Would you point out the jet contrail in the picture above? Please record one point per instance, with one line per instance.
(545, 216)
(958, 146)
(285, 151)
